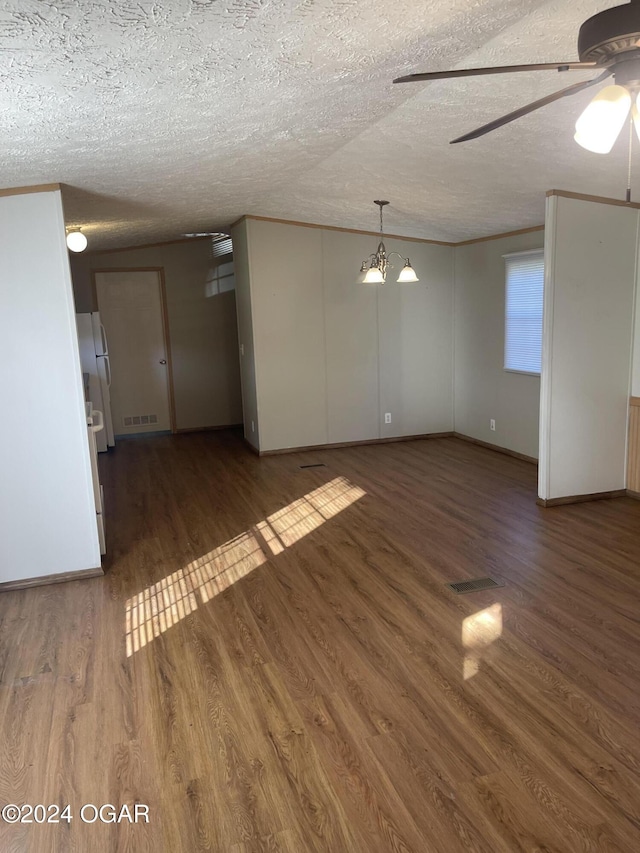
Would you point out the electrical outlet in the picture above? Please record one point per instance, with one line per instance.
(241, 349)
(492, 425)
(387, 417)
(253, 426)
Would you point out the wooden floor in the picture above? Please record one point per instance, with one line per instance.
(273, 662)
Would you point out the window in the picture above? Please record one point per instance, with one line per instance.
(523, 311)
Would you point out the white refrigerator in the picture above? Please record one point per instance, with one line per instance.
(94, 358)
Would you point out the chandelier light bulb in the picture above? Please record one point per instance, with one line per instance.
(407, 273)
(600, 124)
(373, 276)
(76, 241)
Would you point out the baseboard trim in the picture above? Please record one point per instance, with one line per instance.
(579, 499)
(634, 495)
(207, 428)
(126, 436)
(497, 448)
(250, 446)
(341, 444)
(63, 577)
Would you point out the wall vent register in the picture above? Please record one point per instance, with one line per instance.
(140, 420)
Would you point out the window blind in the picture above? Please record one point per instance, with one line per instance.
(523, 311)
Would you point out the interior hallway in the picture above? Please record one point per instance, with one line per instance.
(273, 662)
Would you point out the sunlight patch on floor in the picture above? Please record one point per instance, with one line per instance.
(156, 609)
(309, 512)
(223, 566)
(478, 632)
(161, 605)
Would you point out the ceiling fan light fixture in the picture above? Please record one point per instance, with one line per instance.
(407, 273)
(609, 43)
(601, 122)
(635, 115)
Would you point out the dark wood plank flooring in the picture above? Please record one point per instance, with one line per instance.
(274, 663)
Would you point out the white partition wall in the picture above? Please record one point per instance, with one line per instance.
(288, 333)
(590, 277)
(245, 335)
(331, 355)
(47, 513)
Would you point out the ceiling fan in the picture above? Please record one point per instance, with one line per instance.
(608, 42)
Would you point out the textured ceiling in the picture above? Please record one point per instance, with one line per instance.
(179, 116)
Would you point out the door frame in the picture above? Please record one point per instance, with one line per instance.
(165, 324)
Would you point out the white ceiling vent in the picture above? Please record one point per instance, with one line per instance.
(221, 246)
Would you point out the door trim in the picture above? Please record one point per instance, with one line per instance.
(165, 325)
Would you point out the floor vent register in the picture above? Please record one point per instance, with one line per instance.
(477, 585)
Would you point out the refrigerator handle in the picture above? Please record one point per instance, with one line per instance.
(96, 414)
(107, 365)
(103, 335)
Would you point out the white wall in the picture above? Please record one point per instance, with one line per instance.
(331, 355)
(351, 340)
(590, 278)
(415, 323)
(635, 362)
(288, 329)
(201, 308)
(483, 389)
(245, 334)
(47, 515)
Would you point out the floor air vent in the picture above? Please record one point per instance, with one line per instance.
(314, 465)
(462, 587)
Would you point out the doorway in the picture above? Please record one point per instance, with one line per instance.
(132, 305)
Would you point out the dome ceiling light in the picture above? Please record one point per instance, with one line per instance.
(76, 241)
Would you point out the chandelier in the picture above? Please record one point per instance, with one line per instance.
(374, 271)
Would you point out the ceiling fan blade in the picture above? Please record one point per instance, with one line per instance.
(548, 99)
(498, 69)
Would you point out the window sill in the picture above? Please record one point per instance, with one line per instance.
(535, 374)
